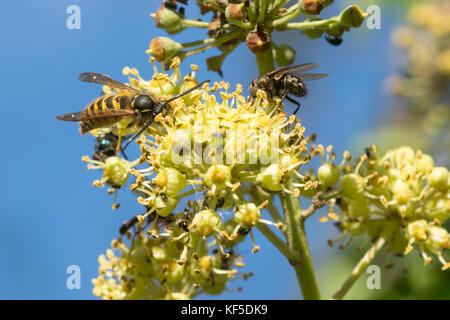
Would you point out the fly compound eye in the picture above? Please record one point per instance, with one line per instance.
(143, 102)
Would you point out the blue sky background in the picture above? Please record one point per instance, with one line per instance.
(52, 217)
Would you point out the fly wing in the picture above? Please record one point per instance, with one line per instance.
(278, 73)
(312, 76)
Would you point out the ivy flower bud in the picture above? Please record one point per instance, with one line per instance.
(438, 239)
(402, 155)
(424, 163)
(247, 215)
(163, 49)
(352, 16)
(439, 209)
(169, 20)
(164, 206)
(352, 185)
(336, 29)
(417, 230)
(206, 222)
(270, 177)
(218, 176)
(258, 41)
(236, 11)
(284, 54)
(170, 180)
(438, 178)
(328, 175)
(116, 171)
(313, 6)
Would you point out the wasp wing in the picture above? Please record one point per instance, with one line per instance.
(104, 79)
(312, 76)
(98, 114)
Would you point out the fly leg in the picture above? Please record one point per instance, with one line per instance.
(294, 102)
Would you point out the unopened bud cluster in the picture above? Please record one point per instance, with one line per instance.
(234, 22)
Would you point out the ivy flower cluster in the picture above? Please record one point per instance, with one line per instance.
(203, 148)
(425, 77)
(400, 195)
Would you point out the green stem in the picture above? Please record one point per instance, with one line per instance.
(298, 243)
(276, 241)
(225, 38)
(385, 235)
(319, 24)
(292, 13)
(265, 61)
(262, 11)
(195, 23)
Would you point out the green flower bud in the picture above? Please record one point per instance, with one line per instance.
(313, 6)
(163, 49)
(352, 185)
(358, 208)
(116, 171)
(438, 178)
(284, 54)
(206, 222)
(417, 230)
(352, 16)
(247, 215)
(439, 209)
(164, 206)
(438, 239)
(336, 29)
(424, 163)
(328, 175)
(402, 193)
(270, 178)
(170, 180)
(218, 175)
(174, 273)
(402, 155)
(169, 20)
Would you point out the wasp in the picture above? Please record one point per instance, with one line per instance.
(284, 81)
(127, 103)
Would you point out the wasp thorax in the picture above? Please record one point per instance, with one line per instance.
(143, 102)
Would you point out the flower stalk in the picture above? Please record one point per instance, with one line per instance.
(366, 259)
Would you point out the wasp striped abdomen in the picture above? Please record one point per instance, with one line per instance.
(106, 111)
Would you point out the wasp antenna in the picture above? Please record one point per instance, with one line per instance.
(187, 91)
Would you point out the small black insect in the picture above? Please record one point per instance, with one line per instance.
(284, 81)
(106, 146)
(335, 41)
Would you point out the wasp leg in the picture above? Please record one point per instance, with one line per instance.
(294, 102)
(119, 142)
